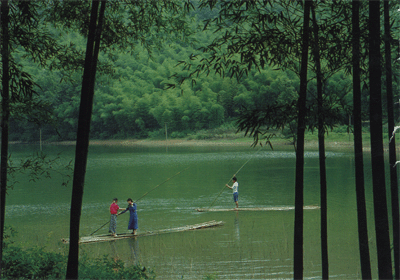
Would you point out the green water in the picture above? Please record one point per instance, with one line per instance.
(250, 245)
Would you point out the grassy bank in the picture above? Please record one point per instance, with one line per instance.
(233, 138)
(228, 136)
(332, 141)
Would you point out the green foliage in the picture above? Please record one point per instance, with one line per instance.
(132, 105)
(138, 90)
(32, 263)
(37, 263)
(39, 166)
(108, 268)
(343, 129)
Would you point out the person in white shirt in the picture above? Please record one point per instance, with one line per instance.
(235, 188)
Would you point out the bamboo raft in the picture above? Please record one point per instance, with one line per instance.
(109, 237)
(277, 208)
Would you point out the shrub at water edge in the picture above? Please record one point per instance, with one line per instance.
(36, 263)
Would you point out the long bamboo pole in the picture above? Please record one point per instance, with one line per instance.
(144, 196)
(234, 176)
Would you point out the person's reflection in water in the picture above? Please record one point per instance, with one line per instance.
(134, 247)
(237, 233)
(114, 251)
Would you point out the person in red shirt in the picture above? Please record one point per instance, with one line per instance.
(114, 213)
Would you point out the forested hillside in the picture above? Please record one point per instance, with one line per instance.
(133, 100)
(196, 65)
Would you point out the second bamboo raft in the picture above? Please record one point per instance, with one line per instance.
(277, 208)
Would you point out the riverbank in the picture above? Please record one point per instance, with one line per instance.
(333, 141)
(311, 143)
(220, 142)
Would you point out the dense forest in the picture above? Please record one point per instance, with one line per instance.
(197, 65)
(133, 98)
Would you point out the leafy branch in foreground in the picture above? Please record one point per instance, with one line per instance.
(38, 166)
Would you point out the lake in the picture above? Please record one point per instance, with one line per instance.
(250, 245)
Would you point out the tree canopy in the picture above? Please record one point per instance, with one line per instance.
(133, 93)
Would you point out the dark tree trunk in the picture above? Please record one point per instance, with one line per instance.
(377, 156)
(358, 147)
(299, 188)
(321, 148)
(392, 144)
(5, 38)
(82, 143)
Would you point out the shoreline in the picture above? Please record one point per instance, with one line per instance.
(238, 142)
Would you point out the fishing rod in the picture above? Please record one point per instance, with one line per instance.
(103, 225)
(234, 175)
(159, 185)
(100, 228)
(144, 196)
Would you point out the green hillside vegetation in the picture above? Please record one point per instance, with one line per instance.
(133, 98)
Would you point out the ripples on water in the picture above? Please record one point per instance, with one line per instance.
(250, 245)
(168, 159)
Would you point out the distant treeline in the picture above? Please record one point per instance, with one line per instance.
(132, 98)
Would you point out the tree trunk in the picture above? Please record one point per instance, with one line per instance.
(82, 143)
(321, 148)
(377, 156)
(392, 144)
(5, 116)
(358, 147)
(299, 187)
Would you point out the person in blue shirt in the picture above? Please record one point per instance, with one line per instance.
(133, 219)
(235, 188)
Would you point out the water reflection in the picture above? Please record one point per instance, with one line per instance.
(257, 245)
(132, 256)
(113, 250)
(237, 230)
(134, 249)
